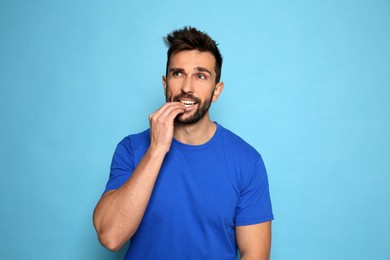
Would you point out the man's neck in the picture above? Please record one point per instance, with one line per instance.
(195, 134)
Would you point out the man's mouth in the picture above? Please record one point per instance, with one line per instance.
(187, 103)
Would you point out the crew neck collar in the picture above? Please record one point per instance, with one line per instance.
(180, 145)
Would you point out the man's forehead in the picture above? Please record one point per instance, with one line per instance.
(192, 59)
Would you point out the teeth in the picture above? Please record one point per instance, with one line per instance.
(187, 102)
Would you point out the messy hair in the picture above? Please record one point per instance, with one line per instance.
(190, 38)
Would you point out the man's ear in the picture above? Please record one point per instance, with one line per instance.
(164, 82)
(217, 91)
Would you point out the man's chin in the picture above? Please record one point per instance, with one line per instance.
(186, 119)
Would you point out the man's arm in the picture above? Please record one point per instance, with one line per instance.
(119, 212)
(254, 241)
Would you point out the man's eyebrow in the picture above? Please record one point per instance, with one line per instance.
(199, 69)
(176, 70)
(202, 69)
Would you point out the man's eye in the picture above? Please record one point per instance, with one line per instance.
(176, 74)
(201, 76)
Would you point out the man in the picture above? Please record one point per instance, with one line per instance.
(187, 188)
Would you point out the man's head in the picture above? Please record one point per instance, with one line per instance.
(193, 73)
(190, 38)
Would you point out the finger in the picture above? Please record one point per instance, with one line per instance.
(174, 112)
(166, 109)
(161, 110)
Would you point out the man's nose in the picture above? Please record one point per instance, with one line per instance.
(187, 86)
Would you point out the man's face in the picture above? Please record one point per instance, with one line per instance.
(191, 80)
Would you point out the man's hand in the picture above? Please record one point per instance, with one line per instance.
(162, 125)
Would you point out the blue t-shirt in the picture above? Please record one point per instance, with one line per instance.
(201, 194)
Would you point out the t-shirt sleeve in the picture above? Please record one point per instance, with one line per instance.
(254, 205)
(122, 165)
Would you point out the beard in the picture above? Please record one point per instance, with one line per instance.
(198, 114)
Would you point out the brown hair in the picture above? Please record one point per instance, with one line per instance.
(190, 38)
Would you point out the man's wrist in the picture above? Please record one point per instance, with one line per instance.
(155, 152)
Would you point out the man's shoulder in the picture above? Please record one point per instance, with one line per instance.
(234, 141)
(136, 140)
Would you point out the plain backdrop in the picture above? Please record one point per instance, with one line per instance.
(306, 83)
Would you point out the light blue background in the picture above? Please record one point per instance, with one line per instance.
(306, 83)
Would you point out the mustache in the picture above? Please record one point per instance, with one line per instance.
(186, 96)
